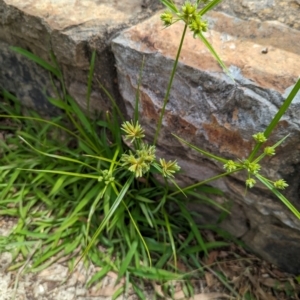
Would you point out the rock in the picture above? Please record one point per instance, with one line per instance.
(209, 110)
(285, 11)
(71, 30)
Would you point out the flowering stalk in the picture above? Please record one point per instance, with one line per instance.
(140, 161)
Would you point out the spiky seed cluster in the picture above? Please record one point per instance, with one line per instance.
(169, 168)
(230, 166)
(135, 164)
(197, 26)
(141, 160)
(189, 14)
(250, 182)
(280, 184)
(269, 151)
(259, 137)
(133, 131)
(167, 18)
(106, 177)
(188, 9)
(252, 168)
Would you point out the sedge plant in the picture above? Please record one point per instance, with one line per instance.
(191, 13)
(74, 184)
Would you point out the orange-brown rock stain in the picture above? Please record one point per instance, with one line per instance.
(148, 107)
(226, 140)
(180, 126)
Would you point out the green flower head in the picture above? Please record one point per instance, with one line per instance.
(188, 9)
(280, 184)
(135, 164)
(269, 151)
(133, 131)
(250, 182)
(230, 166)
(252, 167)
(106, 177)
(147, 153)
(167, 18)
(259, 137)
(169, 168)
(197, 26)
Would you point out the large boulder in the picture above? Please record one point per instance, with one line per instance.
(284, 11)
(71, 30)
(209, 110)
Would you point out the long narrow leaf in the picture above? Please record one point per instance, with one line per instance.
(170, 5)
(127, 259)
(214, 54)
(278, 116)
(36, 59)
(218, 158)
(59, 156)
(108, 216)
(90, 81)
(287, 203)
(209, 6)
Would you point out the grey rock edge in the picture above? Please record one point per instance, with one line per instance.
(206, 108)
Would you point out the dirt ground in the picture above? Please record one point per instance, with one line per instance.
(243, 272)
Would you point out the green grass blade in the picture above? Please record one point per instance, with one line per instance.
(66, 158)
(99, 275)
(218, 158)
(208, 200)
(127, 259)
(139, 233)
(90, 81)
(138, 291)
(208, 246)
(137, 95)
(287, 203)
(169, 230)
(112, 100)
(214, 54)
(117, 293)
(41, 120)
(10, 183)
(60, 104)
(193, 227)
(146, 213)
(153, 273)
(62, 173)
(278, 116)
(38, 60)
(170, 5)
(209, 6)
(108, 216)
(283, 108)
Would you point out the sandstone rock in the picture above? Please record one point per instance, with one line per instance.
(209, 110)
(72, 30)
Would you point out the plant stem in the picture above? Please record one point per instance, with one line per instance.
(277, 117)
(166, 99)
(204, 182)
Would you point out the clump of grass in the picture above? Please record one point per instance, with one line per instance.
(74, 184)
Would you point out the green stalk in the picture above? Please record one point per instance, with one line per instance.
(277, 117)
(204, 182)
(166, 99)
